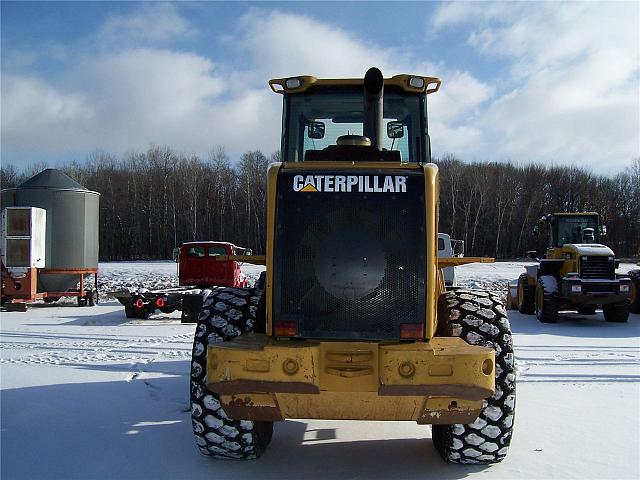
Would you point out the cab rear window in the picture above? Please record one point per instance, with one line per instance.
(196, 252)
(213, 251)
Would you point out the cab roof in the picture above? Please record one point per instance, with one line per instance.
(574, 214)
(208, 242)
(408, 83)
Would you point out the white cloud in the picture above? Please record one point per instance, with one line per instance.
(128, 97)
(32, 110)
(573, 94)
(152, 23)
(132, 99)
(285, 44)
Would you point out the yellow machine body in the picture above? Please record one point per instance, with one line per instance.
(259, 376)
(431, 380)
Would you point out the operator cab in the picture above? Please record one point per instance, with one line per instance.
(572, 228)
(370, 119)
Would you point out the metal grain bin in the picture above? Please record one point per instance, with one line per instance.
(72, 224)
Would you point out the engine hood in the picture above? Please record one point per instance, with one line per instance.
(589, 249)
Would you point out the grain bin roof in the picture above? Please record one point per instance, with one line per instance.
(52, 178)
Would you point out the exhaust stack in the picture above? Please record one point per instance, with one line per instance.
(373, 98)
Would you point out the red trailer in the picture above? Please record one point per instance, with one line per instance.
(198, 265)
(201, 265)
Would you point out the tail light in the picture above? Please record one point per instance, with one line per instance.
(286, 329)
(138, 303)
(160, 302)
(411, 330)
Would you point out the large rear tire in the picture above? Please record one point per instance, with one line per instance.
(226, 313)
(480, 319)
(547, 302)
(129, 309)
(526, 295)
(616, 312)
(634, 306)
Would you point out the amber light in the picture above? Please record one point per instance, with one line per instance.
(286, 329)
(411, 330)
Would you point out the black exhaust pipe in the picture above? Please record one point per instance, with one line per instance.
(373, 98)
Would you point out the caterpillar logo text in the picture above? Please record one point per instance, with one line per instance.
(350, 183)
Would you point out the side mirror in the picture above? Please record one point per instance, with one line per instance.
(248, 251)
(315, 130)
(603, 230)
(533, 255)
(535, 230)
(176, 254)
(395, 130)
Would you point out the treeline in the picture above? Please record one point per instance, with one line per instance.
(155, 200)
(493, 206)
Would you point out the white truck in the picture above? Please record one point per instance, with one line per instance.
(447, 247)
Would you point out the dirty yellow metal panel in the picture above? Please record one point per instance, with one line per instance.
(255, 358)
(252, 259)
(254, 406)
(350, 166)
(430, 84)
(355, 406)
(445, 410)
(455, 261)
(442, 367)
(260, 378)
(431, 222)
(349, 366)
(272, 180)
(351, 406)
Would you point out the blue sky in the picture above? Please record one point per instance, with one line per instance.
(556, 83)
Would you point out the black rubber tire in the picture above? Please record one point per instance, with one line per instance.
(91, 298)
(510, 303)
(130, 310)
(480, 319)
(185, 316)
(262, 280)
(82, 301)
(144, 313)
(226, 313)
(547, 302)
(526, 301)
(616, 312)
(190, 306)
(51, 299)
(587, 310)
(634, 276)
(167, 309)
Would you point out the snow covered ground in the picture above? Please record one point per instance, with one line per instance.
(87, 393)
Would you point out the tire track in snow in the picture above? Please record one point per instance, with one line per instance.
(142, 349)
(579, 365)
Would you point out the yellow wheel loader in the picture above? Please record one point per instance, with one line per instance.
(576, 272)
(351, 319)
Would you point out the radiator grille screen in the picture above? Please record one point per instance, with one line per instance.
(350, 265)
(597, 267)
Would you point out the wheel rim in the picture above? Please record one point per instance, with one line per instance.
(539, 299)
(520, 295)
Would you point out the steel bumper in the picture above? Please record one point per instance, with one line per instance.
(440, 381)
(595, 291)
